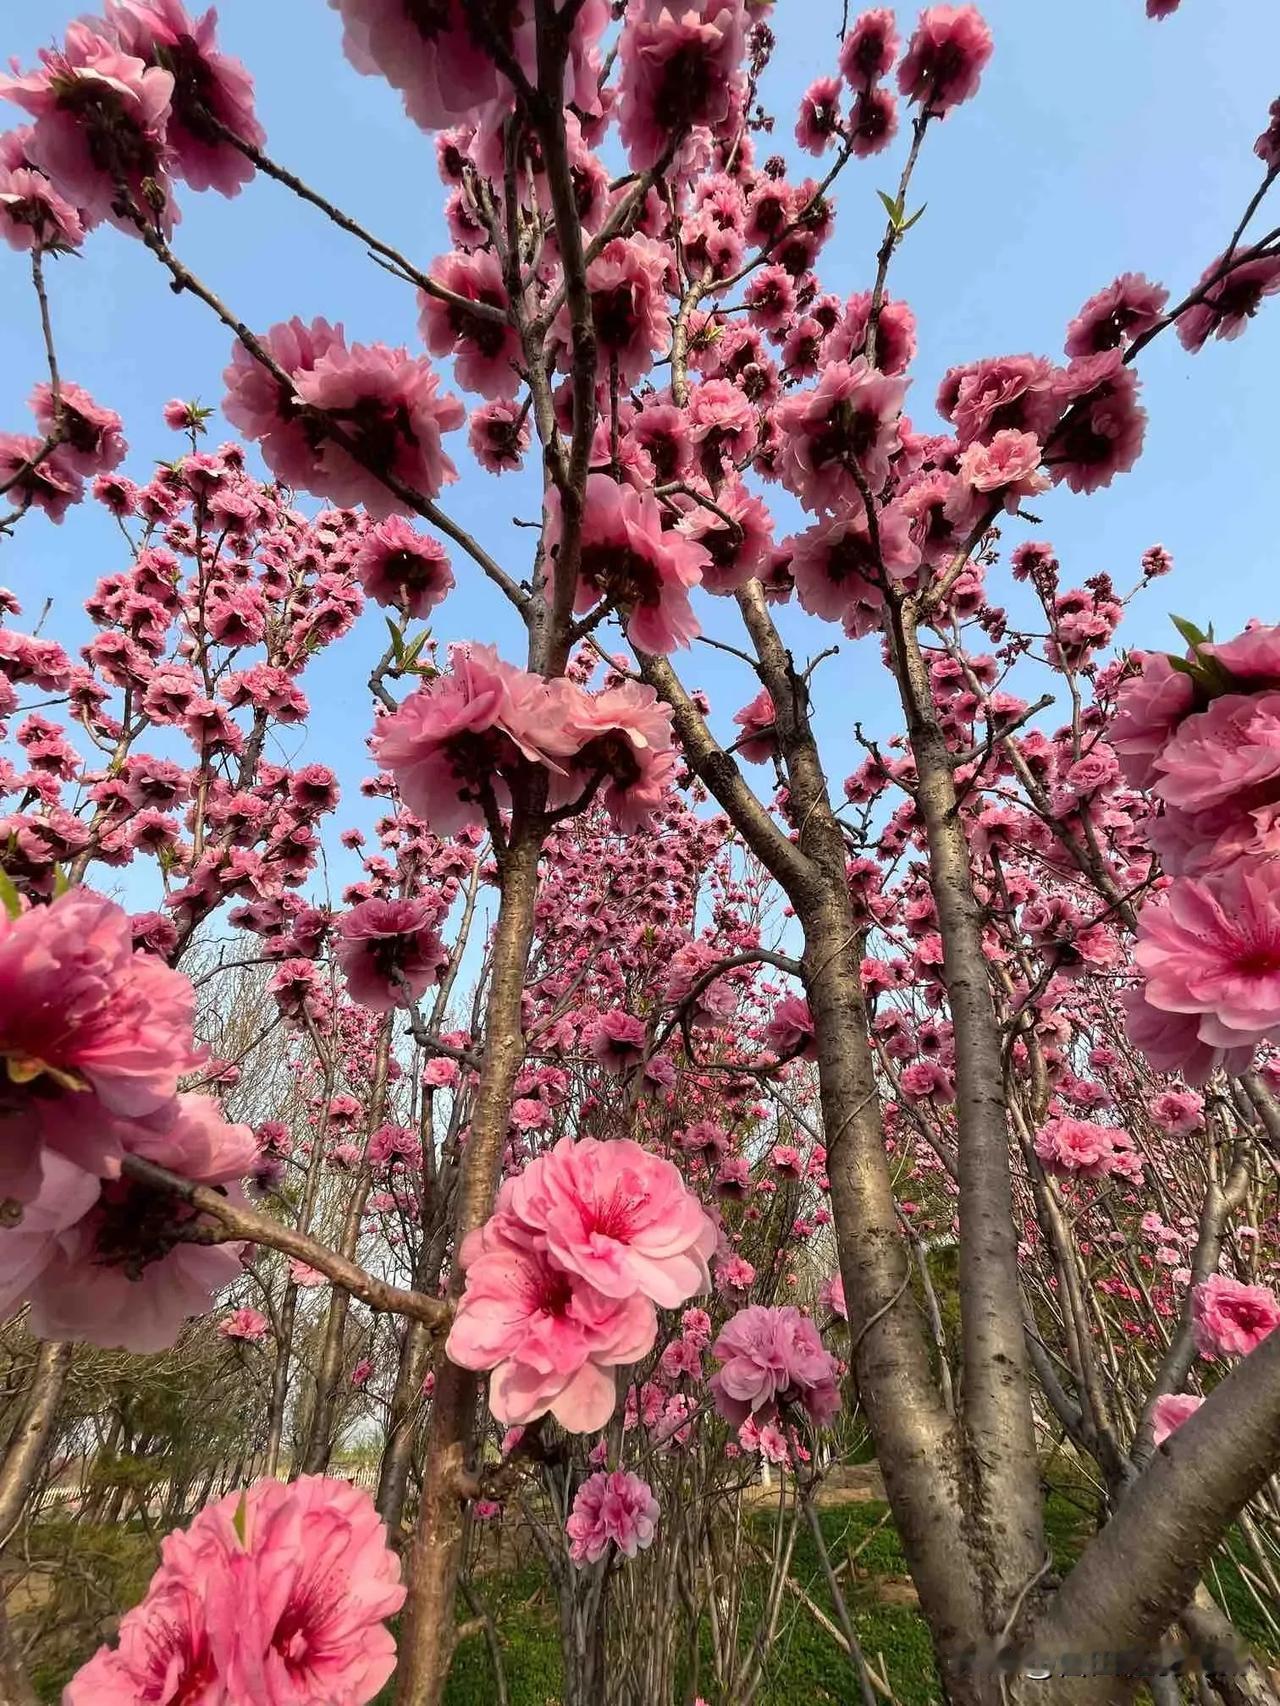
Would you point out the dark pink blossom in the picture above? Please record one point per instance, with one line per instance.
(390, 951)
(945, 58)
(617, 1508)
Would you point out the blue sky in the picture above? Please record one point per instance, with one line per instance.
(1100, 142)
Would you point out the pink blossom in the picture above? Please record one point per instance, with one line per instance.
(1229, 305)
(499, 434)
(1008, 466)
(389, 403)
(831, 1296)
(486, 350)
(771, 1357)
(33, 214)
(208, 86)
(256, 405)
(1149, 709)
(619, 1218)
(92, 440)
(819, 120)
(1231, 1319)
(945, 58)
(1169, 1412)
(1252, 658)
(870, 48)
(1103, 431)
(839, 572)
(617, 1040)
(679, 68)
(1128, 307)
(248, 1324)
(389, 951)
(428, 54)
(34, 477)
(403, 568)
(361, 1372)
(790, 1030)
(164, 1652)
(1230, 750)
(1178, 1112)
(1210, 948)
(1071, 1147)
(465, 737)
(626, 281)
(852, 415)
(103, 1260)
(1012, 392)
(873, 123)
(758, 742)
(623, 736)
(551, 1340)
(304, 1275)
(617, 1507)
(100, 116)
(627, 558)
(93, 1036)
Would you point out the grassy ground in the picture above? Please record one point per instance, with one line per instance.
(806, 1667)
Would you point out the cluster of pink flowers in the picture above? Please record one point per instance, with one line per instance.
(1203, 735)
(618, 1509)
(464, 746)
(563, 1279)
(772, 1357)
(278, 1595)
(1084, 1149)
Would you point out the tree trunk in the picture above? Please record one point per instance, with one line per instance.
(30, 1439)
(426, 1645)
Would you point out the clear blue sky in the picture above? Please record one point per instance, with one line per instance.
(1100, 142)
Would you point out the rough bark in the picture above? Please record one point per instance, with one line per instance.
(427, 1641)
(1005, 1517)
(30, 1438)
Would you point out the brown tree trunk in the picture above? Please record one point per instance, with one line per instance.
(427, 1640)
(30, 1438)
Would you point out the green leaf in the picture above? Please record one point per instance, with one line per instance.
(10, 899)
(397, 641)
(61, 881)
(914, 217)
(892, 206)
(1190, 633)
(241, 1521)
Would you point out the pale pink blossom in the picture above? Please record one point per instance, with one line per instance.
(1231, 1319)
(33, 214)
(623, 736)
(1210, 950)
(618, 1217)
(1231, 749)
(93, 1036)
(92, 439)
(104, 1261)
(617, 1508)
(550, 1340)
(1169, 1412)
(249, 1324)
